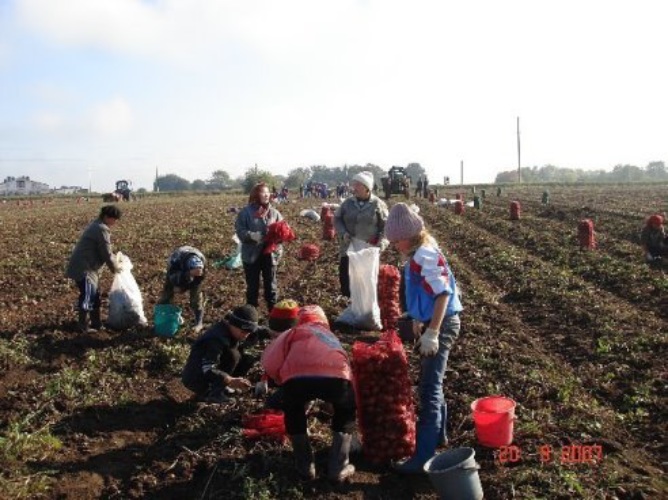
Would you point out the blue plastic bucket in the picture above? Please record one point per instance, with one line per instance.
(166, 320)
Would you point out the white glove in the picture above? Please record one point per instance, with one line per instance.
(261, 388)
(383, 244)
(429, 342)
(256, 236)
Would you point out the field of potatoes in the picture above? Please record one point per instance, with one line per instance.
(577, 338)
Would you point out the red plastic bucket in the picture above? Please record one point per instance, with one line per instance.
(494, 417)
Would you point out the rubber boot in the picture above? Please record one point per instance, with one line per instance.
(425, 448)
(304, 462)
(95, 319)
(199, 321)
(82, 323)
(339, 468)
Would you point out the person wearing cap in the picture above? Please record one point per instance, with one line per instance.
(361, 216)
(251, 228)
(216, 365)
(185, 272)
(309, 363)
(431, 297)
(91, 253)
(653, 238)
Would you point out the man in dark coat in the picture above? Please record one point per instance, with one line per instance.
(91, 253)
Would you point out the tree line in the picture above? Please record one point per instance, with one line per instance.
(654, 172)
(220, 180)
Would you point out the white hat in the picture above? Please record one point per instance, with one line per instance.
(365, 178)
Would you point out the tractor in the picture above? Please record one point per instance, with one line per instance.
(396, 182)
(123, 192)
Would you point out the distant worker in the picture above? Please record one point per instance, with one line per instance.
(653, 238)
(185, 272)
(91, 253)
(425, 187)
(418, 187)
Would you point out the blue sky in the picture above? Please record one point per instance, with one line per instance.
(112, 89)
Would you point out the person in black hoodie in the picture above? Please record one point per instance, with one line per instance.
(186, 271)
(216, 364)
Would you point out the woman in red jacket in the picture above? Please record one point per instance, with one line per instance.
(309, 363)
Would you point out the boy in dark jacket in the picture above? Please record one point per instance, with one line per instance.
(215, 362)
(185, 271)
(91, 253)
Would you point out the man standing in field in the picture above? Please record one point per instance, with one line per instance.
(91, 253)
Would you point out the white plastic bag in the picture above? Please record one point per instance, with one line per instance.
(126, 307)
(363, 311)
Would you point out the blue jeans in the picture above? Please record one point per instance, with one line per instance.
(433, 409)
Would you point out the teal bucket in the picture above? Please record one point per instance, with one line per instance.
(166, 320)
(454, 474)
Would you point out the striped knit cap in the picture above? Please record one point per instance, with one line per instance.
(283, 315)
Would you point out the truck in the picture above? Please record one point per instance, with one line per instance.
(396, 182)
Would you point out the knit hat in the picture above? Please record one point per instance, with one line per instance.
(283, 315)
(655, 220)
(195, 262)
(365, 178)
(312, 314)
(243, 317)
(402, 223)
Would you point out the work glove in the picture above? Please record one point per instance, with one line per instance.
(429, 342)
(261, 389)
(383, 244)
(256, 236)
(239, 383)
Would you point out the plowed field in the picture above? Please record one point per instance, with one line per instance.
(577, 338)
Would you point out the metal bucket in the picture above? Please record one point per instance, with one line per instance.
(454, 474)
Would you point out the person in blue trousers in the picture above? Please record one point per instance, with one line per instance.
(431, 298)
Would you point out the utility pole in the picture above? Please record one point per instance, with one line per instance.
(461, 169)
(90, 180)
(519, 170)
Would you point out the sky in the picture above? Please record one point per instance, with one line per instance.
(95, 91)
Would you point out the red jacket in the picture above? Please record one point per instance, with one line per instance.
(309, 350)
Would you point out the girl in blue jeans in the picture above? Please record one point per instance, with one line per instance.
(431, 297)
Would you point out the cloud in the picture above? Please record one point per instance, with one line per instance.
(114, 117)
(47, 121)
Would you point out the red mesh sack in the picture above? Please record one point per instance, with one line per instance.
(327, 218)
(277, 233)
(268, 424)
(385, 410)
(515, 210)
(459, 207)
(389, 281)
(586, 234)
(309, 251)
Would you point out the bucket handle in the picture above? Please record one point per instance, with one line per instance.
(473, 467)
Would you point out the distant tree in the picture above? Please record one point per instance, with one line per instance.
(253, 176)
(198, 185)
(415, 171)
(626, 173)
(656, 171)
(297, 176)
(219, 180)
(172, 182)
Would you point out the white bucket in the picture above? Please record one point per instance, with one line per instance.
(454, 474)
